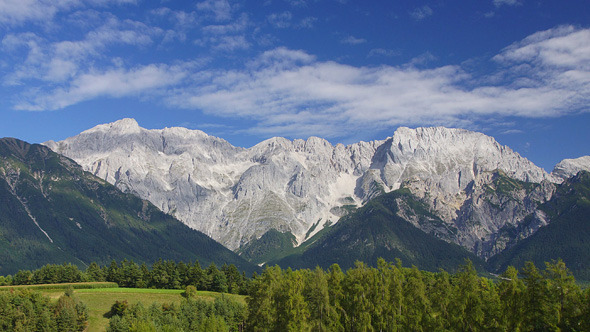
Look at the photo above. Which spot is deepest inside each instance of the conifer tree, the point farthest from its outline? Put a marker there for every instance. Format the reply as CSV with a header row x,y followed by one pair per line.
x,y
566,295
511,291
540,314
416,308
262,309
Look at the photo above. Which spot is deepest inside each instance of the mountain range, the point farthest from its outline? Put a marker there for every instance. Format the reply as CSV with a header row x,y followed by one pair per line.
x,y
236,195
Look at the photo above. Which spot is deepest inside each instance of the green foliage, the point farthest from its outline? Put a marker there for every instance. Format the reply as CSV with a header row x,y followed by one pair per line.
x,y
190,292
71,314
65,286
164,274
393,298
118,309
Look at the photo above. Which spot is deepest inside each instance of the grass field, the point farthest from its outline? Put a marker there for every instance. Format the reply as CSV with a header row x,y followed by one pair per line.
x,y
100,300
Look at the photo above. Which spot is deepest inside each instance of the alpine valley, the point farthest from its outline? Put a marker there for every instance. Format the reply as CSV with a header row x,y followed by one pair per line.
x,y
431,196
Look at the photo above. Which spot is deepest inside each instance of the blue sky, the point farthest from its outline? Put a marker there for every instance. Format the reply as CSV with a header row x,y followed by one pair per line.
x,y
345,70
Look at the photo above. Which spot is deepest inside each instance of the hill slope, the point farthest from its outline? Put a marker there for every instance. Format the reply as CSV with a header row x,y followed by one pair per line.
x,y
51,211
383,228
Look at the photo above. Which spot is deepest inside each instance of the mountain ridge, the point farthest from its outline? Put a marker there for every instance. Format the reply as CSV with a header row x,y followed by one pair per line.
x,y
236,195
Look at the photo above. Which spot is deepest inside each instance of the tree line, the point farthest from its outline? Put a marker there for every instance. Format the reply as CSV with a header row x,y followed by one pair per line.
x,y
392,298
163,274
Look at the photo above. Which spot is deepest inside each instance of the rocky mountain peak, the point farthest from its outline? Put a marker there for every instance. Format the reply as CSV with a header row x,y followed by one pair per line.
x,y
570,167
125,126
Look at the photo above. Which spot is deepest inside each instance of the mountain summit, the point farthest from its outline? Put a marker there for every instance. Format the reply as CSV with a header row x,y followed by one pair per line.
x,y
236,195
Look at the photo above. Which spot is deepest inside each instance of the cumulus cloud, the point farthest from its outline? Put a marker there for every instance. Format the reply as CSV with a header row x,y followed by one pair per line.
x,y
280,20
18,12
226,37
383,52
220,10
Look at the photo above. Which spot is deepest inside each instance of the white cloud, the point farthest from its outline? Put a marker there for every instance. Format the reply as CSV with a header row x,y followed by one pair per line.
x,y
17,12
280,20
351,40
307,22
421,13
285,20
383,52
111,83
38,59
422,59
20,11
182,20
290,97
226,37
562,47
230,43
292,93
297,3
220,10
237,26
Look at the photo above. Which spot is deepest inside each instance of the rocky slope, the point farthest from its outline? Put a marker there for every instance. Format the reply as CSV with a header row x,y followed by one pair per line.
x,y
566,237
236,195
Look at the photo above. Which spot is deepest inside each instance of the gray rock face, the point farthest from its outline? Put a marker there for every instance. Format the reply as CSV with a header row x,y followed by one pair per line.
x,y
235,195
570,167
